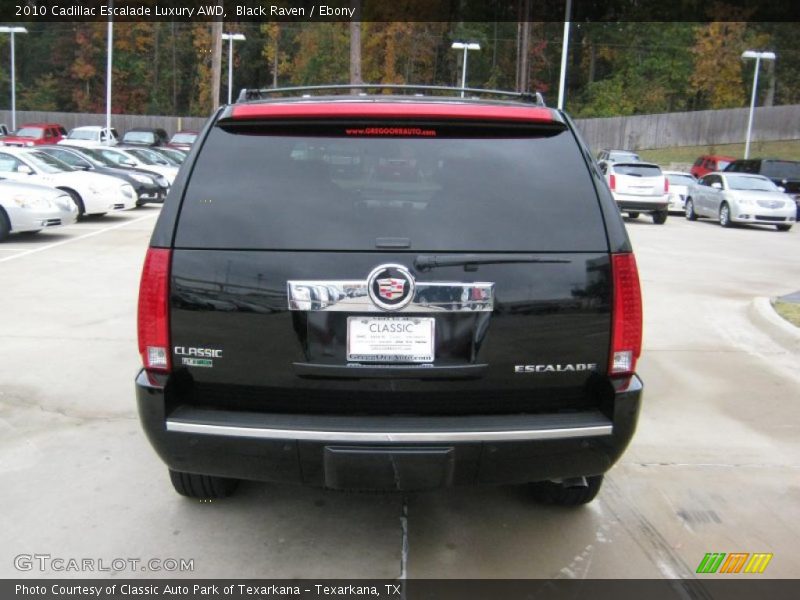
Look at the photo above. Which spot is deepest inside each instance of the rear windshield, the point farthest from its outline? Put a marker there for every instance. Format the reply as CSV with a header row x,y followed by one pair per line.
x,y
83,134
351,188
781,169
143,137
675,179
638,170
183,138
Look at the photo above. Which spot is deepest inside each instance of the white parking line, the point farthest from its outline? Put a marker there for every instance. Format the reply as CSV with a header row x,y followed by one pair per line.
x,y
80,237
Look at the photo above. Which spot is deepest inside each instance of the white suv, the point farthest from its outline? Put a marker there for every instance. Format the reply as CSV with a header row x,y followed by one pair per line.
x,y
638,187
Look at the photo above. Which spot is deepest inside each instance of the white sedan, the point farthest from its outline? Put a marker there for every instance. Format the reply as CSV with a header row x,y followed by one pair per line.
x,y
679,185
92,193
29,208
740,198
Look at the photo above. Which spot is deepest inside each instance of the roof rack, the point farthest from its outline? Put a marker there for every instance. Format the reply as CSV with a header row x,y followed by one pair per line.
x,y
306,91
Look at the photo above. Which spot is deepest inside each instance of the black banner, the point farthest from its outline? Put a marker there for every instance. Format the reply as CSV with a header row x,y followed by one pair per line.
x,y
28,11
705,588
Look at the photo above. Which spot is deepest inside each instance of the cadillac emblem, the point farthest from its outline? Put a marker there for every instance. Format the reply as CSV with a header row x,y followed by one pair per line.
x,y
390,287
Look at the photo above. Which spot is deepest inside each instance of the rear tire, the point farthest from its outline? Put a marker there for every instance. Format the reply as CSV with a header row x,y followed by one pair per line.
x,y
549,492
725,215
5,226
633,215
689,210
783,227
202,487
660,217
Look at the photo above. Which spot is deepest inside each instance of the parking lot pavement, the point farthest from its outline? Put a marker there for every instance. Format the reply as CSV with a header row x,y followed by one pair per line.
x,y
714,467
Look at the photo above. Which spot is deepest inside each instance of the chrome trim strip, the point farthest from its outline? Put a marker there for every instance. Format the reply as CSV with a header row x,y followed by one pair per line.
x,y
352,296
380,436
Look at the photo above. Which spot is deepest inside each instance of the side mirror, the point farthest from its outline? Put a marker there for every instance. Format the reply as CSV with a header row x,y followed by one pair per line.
x,y
128,163
25,170
781,188
716,185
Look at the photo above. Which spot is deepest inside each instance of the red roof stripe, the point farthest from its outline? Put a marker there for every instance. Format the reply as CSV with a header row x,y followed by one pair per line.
x,y
392,110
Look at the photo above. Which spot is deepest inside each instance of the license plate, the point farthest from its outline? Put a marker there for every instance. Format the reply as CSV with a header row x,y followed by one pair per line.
x,y
390,339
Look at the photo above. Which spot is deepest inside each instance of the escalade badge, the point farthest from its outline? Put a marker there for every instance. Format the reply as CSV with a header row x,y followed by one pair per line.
x,y
390,287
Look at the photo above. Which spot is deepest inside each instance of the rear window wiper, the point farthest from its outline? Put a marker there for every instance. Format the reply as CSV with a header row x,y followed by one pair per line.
x,y
425,262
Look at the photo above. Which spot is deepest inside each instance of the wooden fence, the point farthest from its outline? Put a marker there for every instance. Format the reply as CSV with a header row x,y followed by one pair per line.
x,y
701,128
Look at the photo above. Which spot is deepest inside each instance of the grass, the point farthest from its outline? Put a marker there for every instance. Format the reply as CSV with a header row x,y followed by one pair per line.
x,y
789,311
787,149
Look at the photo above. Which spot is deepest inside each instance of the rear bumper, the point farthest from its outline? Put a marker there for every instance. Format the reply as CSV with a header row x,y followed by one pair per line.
x,y
395,453
641,204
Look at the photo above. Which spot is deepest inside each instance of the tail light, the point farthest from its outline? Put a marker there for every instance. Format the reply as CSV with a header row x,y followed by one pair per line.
x,y
153,317
666,185
612,182
626,328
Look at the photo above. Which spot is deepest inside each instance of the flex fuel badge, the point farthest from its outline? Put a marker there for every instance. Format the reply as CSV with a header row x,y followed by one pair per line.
x,y
197,357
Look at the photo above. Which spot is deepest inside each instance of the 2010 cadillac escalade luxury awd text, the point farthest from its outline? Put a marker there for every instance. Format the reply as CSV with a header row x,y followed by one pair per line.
x,y
393,292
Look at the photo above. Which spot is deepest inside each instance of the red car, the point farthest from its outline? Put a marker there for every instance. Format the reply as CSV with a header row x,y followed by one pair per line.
x,y
35,134
708,163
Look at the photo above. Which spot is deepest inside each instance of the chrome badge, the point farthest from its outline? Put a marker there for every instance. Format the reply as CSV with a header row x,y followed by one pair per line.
x,y
390,287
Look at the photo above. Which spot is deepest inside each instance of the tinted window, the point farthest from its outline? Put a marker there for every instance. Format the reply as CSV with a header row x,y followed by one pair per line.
x,y
781,169
680,179
141,137
253,190
638,170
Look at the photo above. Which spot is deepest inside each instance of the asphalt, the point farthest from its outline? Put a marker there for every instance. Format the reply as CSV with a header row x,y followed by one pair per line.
x,y
714,466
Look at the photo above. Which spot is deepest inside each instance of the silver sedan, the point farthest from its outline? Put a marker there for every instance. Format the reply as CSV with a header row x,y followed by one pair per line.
x,y
734,198
29,208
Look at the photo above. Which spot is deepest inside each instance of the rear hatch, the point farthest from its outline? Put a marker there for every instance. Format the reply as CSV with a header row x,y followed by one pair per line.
x,y
295,244
639,179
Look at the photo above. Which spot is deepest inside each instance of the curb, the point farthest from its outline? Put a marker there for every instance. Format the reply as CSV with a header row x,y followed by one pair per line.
x,y
786,334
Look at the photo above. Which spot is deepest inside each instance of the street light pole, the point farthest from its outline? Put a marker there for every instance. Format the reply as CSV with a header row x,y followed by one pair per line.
x,y
562,80
758,56
12,31
465,46
231,37
109,61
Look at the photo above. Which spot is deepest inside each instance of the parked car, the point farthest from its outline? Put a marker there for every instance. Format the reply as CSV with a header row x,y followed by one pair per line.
x,y
93,194
91,136
173,155
145,136
149,187
29,208
611,156
277,347
35,134
125,157
740,198
709,163
783,173
679,185
638,187
154,154
183,140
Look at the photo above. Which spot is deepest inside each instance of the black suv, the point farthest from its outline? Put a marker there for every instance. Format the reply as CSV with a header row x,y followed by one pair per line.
x,y
785,173
145,136
395,292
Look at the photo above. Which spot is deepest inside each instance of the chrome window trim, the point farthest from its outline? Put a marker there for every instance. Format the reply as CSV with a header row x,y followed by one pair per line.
x,y
352,296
